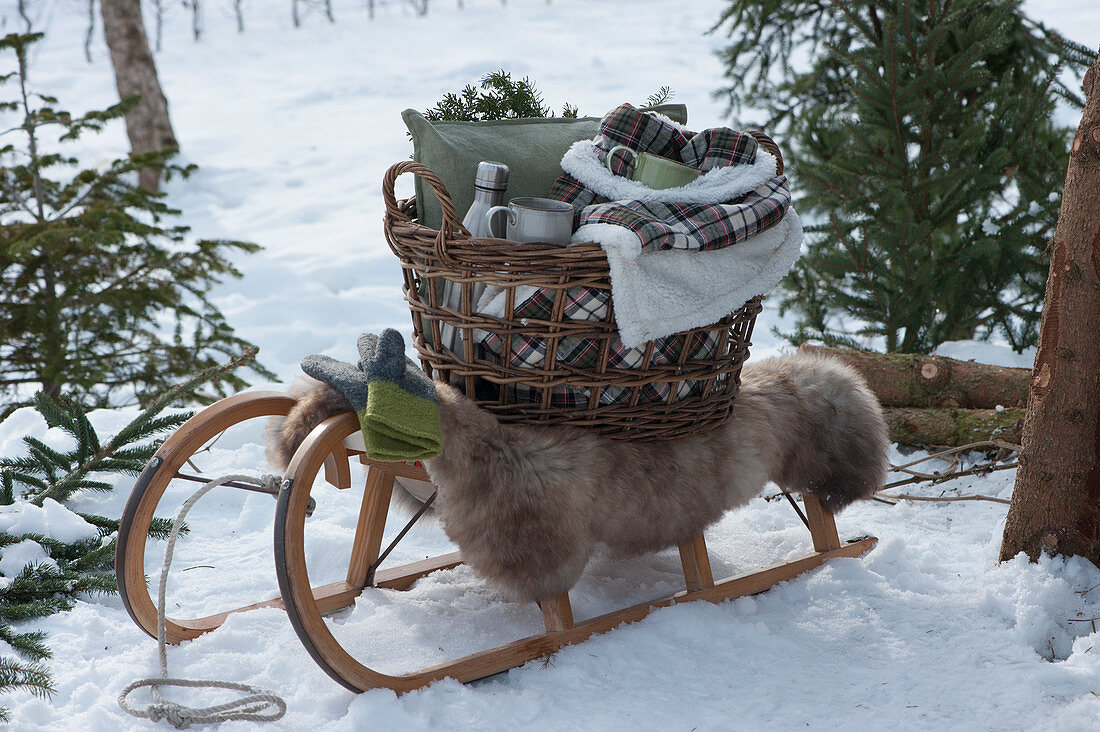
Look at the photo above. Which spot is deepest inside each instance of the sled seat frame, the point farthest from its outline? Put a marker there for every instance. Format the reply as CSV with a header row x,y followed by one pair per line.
x,y
330,447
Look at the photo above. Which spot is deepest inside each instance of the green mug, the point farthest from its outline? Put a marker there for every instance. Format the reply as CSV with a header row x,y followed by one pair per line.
x,y
654,171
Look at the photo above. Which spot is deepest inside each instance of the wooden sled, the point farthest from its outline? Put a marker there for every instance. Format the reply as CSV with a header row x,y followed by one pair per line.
x,y
329,448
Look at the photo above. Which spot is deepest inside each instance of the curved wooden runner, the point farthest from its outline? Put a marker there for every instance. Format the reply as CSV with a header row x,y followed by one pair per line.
x,y
164,466
306,613
329,447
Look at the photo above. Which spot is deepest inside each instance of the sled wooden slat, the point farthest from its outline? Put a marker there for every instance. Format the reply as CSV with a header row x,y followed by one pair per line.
x,y
696,563
372,524
822,524
330,597
337,471
557,612
403,577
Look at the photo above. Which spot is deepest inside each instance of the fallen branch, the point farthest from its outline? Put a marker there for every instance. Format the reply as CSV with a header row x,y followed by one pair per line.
x,y
908,497
1004,451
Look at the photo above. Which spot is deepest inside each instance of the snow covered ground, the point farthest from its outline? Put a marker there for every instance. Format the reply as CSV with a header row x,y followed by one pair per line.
x,y
293,130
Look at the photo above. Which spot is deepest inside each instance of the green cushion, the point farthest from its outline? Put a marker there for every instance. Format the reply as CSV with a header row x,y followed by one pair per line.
x,y
532,149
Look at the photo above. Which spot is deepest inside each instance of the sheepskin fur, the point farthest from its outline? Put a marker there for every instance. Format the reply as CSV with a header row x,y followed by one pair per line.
x,y
317,401
527,504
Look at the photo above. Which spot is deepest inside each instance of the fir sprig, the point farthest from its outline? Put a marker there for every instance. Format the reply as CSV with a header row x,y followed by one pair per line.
x,y
46,472
497,96
16,674
86,565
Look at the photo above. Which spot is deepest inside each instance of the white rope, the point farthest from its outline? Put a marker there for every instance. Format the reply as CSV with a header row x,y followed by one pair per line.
x,y
180,716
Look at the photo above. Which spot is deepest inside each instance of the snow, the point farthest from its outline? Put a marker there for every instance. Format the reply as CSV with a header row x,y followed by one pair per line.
x,y
293,130
50,519
19,555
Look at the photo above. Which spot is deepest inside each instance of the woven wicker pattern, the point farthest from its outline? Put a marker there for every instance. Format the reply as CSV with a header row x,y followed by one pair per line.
x,y
428,257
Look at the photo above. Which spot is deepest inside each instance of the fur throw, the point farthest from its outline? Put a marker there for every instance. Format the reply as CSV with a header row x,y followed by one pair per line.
x,y
527,504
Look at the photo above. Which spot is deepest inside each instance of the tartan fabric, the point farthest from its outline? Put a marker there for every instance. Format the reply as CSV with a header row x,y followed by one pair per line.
x,y
583,353
591,304
695,226
568,188
682,226
639,131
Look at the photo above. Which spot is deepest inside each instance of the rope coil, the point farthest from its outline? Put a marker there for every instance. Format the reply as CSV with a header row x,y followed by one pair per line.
x,y
251,707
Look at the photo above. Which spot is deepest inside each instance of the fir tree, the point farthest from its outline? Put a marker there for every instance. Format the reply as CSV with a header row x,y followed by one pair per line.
x,y
923,147
85,566
90,272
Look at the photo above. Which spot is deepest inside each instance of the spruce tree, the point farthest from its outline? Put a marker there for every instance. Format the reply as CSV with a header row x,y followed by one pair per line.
x,y
924,153
85,566
100,294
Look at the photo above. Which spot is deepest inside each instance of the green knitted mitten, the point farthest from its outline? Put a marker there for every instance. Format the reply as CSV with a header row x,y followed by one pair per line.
x,y
395,401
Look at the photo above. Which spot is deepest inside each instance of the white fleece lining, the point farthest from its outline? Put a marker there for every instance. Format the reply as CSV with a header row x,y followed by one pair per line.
x,y
661,293
716,185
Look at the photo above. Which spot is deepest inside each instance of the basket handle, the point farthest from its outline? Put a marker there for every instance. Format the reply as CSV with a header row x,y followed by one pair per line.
x,y
769,144
451,225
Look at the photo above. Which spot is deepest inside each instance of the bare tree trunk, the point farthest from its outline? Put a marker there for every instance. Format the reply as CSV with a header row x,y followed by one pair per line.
x,y
91,31
147,124
1056,503
240,15
22,5
158,9
196,18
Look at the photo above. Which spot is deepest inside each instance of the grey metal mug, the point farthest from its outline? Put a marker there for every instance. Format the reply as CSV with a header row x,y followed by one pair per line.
x,y
534,219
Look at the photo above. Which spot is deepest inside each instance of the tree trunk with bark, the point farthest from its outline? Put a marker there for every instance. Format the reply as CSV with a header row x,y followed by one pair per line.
x,y
1056,502
147,124
914,380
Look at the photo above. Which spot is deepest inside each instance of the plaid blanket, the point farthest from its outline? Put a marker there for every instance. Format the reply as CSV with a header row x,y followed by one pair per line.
x,y
719,209
738,198
587,303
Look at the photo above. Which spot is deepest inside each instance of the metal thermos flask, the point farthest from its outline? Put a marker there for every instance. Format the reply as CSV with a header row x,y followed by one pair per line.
x,y
490,183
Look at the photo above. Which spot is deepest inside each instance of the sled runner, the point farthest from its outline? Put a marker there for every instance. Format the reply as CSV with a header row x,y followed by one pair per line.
x,y
326,453
684,387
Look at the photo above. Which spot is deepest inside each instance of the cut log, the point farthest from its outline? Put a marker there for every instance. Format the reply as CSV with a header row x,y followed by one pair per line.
x,y
914,380
952,427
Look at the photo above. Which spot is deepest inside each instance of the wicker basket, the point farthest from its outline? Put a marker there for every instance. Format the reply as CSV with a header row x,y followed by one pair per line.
x,y
428,257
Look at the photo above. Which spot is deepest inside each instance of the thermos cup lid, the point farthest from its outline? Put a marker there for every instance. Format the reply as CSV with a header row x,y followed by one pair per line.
x,y
492,175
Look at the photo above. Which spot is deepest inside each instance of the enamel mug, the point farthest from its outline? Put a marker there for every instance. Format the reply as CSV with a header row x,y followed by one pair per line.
x,y
654,171
534,219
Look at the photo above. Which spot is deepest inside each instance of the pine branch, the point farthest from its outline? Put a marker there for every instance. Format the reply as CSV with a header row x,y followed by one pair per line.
x,y
29,676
